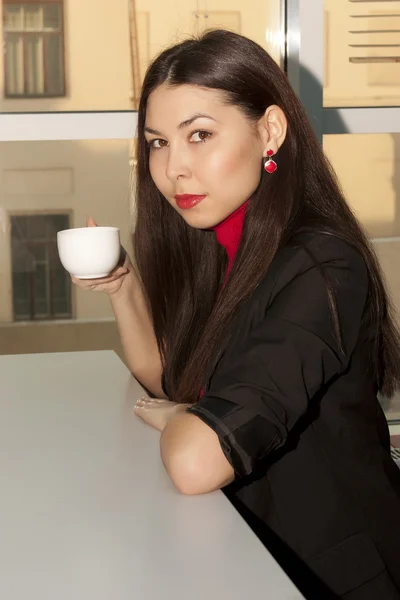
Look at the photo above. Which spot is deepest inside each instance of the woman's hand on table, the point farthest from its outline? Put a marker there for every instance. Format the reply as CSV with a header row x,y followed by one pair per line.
x,y
157,412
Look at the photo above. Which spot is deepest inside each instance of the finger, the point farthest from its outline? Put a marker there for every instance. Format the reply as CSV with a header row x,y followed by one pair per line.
x,y
138,411
120,270
156,402
99,280
147,404
142,401
90,222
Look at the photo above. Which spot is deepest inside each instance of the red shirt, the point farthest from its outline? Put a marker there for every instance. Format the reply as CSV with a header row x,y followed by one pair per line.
x,y
229,233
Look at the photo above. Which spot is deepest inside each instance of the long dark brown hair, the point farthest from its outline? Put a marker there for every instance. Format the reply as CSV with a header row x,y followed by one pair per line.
x,y
182,268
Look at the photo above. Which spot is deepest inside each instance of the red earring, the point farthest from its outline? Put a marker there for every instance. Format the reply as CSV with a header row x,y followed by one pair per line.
x,y
270,165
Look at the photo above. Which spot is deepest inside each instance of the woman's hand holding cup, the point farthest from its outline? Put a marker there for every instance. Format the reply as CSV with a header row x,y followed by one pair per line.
x,y
114,282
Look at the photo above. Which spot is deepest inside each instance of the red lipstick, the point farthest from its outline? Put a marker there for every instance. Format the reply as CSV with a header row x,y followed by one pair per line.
x,y
185,201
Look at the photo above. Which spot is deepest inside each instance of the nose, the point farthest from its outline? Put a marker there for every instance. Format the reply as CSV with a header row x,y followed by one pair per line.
x,y
178,164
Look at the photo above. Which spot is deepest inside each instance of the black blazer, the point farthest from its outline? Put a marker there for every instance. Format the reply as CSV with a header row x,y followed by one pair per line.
x,y
300,423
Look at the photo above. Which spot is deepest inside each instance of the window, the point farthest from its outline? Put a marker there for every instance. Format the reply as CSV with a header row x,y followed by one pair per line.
x,y
34,49
41,287
362,53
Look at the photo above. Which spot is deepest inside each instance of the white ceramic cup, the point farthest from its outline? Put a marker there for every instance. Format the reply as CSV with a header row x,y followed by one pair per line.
x,y
89,252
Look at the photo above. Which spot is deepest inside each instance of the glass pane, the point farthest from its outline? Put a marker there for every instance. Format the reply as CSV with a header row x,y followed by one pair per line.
x,y
368,167
13,17
61,308
14,65
34,65
104,76
33,17
19,228
54,65
41,285
22,295
52,17
47,187
60,287
39,252
362,54
56,223
41,310
37,228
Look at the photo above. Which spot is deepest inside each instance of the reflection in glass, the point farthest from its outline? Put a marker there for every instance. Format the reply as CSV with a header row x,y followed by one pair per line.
x,y
34,66
14,64
368,167
33,42
362,54
106,65
40,286
47,187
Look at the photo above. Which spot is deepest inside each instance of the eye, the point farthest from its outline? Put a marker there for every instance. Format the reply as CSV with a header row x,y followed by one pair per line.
x,y
200,136
157,144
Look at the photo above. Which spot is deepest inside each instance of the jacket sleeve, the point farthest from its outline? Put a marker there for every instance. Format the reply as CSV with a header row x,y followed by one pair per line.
x,y
268,379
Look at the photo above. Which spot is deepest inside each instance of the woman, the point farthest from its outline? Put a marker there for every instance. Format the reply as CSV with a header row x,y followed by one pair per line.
x,y
258,309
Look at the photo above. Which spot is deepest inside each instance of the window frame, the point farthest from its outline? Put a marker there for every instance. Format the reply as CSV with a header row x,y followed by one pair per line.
x,y
51,317
44,35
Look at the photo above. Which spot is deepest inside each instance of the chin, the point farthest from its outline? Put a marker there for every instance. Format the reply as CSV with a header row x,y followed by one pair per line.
x,y
199,221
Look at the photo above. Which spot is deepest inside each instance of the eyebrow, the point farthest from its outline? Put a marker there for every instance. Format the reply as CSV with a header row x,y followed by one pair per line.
x,y
183,124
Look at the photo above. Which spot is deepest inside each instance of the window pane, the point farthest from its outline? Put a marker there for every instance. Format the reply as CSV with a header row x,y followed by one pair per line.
x,y
54,224
52,17
41,287
22,296
37,228
47,187
33,14
106,64
14,65
39,252
19,228
34,65
13,17
54,65
362,54
368,167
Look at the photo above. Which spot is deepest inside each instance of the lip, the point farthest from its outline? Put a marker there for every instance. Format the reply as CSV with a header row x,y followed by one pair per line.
x,y
185,201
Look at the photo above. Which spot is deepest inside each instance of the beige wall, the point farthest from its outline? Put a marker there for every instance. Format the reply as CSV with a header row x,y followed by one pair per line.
x,y
367,83
80,177
171,20
97,44
368,167
97,60
35,338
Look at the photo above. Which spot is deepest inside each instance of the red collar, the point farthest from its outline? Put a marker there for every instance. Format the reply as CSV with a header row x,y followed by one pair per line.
x,y
229,232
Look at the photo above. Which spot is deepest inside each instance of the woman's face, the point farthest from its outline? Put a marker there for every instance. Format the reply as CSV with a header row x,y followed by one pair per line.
x,y
205,156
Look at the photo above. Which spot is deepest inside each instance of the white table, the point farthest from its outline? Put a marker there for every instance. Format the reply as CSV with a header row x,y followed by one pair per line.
x,y
87,511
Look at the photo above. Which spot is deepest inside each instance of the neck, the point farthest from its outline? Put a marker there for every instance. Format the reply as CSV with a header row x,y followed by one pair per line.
x,y
229,232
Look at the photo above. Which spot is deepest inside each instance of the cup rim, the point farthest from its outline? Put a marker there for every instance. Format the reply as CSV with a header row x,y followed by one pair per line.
x,y
63,232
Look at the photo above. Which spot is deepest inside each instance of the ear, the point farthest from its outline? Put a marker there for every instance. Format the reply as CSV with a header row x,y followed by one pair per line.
x,y
272,128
